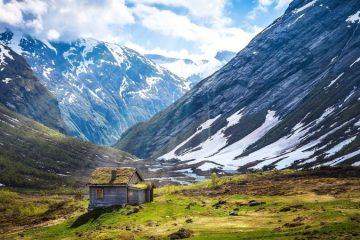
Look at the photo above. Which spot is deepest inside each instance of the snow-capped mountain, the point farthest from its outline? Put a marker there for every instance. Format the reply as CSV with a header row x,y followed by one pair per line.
x,y
290,98
22,92
102,88
193,70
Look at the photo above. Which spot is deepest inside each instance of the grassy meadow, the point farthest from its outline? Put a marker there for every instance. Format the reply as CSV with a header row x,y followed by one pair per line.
x,y
318,204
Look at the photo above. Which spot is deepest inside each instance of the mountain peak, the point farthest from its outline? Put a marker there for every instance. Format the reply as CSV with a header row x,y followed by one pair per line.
x,y
102,88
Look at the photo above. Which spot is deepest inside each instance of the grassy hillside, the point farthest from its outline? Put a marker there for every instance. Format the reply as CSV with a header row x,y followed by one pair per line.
x,y
32,155
315,204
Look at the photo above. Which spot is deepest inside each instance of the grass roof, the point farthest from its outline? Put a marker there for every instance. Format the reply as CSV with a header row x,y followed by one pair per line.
x,y
142,185
111,175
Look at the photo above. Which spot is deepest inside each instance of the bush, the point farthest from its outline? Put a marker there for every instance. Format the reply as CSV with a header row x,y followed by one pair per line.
x,y
214,180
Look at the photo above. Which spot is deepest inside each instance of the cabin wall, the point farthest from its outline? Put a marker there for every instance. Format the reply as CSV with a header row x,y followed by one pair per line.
x,y
136,196
116,195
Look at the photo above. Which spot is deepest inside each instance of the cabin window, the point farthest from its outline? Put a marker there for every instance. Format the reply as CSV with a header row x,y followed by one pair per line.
x,y
99,193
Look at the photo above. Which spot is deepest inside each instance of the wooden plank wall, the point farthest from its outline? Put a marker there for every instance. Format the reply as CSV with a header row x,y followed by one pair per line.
x,y
112,196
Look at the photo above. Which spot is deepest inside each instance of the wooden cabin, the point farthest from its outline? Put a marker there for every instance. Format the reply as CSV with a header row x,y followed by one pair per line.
x,y
114,186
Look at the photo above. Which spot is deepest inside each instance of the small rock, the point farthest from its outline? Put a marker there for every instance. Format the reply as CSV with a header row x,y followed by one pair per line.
x,y
293,224
181,234
219,203
233,213
253,203
226,190
285,209
298,219
189,220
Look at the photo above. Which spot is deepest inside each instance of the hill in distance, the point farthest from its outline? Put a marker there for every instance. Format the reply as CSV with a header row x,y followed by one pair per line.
x,y
35,156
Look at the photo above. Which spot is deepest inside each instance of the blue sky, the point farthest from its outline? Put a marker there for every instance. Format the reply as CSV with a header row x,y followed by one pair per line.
x,y
194,29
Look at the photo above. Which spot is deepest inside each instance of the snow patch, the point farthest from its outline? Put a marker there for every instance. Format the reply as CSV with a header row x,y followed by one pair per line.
x,y
6,80
48,44
350,95
203,126
72,98
354,18
333,81
207,166
356,61
89,45
47,71
151,81
339,146
213,149
310,4
123,87
117,52
357,124
4,53
343,158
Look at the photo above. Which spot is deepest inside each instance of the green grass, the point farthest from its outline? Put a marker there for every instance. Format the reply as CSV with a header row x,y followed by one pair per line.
x,y
312,215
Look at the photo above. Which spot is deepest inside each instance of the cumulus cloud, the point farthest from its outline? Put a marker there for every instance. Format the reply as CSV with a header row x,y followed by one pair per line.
x,y
13,13
209,39
67,19
212,11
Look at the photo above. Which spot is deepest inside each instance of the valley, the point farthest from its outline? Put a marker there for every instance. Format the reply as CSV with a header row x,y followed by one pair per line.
x,y
194,139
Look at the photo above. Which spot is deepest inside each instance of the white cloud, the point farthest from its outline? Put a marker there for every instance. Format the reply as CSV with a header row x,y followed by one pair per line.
x,y
204,9
52,34
95,19
209,39
68,19
12,13
181,53
281,4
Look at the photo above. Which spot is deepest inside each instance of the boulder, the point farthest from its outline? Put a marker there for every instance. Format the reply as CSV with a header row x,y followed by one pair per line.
x,y
181,234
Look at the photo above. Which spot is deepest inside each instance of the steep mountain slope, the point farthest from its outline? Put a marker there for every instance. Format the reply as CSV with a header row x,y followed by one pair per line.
x,y
102,88
289,99
22,92
32,155
192,70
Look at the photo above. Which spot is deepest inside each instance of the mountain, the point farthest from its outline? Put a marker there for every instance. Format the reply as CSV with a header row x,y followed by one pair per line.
x,y
290,99
193,70
32,155
102,88
22,92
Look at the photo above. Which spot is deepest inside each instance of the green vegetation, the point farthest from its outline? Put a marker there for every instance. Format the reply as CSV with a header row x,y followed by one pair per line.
x,y
34,156
264,205
104,175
